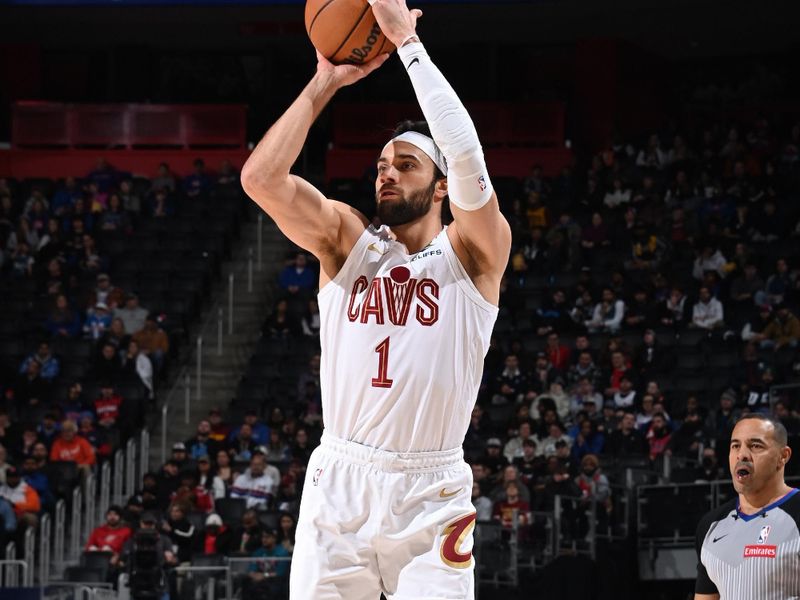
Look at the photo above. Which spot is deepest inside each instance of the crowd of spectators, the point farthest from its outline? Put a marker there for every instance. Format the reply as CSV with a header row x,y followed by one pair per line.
x,y
80,354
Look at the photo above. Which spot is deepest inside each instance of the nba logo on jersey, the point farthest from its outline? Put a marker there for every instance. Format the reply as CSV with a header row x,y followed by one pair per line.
x,y
318,474
762,537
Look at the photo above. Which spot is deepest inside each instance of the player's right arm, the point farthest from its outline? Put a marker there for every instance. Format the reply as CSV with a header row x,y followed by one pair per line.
x,y
326,228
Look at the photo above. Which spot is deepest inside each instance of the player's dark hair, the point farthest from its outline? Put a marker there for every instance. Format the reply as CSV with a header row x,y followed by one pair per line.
x,y
780,433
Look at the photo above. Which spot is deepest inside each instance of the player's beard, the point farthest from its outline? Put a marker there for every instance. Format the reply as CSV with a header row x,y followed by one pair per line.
x,y
406,208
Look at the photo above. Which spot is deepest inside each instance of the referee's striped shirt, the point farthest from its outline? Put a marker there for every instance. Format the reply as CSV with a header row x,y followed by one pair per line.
x,y
744,557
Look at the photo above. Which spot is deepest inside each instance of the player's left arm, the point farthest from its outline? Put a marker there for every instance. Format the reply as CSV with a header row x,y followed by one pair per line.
x,y
482,234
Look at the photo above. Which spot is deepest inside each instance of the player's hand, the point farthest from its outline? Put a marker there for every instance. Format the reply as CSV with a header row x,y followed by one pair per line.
x,y
343,75
395,20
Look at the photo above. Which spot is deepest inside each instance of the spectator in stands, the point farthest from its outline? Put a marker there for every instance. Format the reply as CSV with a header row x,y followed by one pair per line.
x,y
164,179
106,293
648,250
557,353
208,478
547,446
148,524
779,284
640,312
102,440
287,529
311,320
247,536
301,447
219,429
298,279
98,321
201,445
707,313
511,507
608,313
49,364
31,392
22,261
131,202
198,183
618,195
255,486
593,484
108,406
259,431
673,310
225,470
709,258
281,324
626,440
111,536
277,451
191,496
268,578
161,205
651,358
513,448
782,332
71,447
132,314
625,396
583,368
153,341
8,520
26,443
588,441
136,364
107,365
241,447
49,429
215,537
646,412
41,454
104,176
493,460
554,315
22,497
65,197
658,436
688,438
594,238
745,288
63,321
483,505
511,384
115,218
180,531
227,175
116,335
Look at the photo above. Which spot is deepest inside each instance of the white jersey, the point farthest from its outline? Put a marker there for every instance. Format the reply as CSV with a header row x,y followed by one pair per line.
x,y
403,341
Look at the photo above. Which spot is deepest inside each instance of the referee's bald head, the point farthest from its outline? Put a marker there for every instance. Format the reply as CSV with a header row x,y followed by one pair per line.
x,y
779,432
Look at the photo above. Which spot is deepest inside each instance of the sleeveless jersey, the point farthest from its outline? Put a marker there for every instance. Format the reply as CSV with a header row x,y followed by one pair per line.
x,y
403,340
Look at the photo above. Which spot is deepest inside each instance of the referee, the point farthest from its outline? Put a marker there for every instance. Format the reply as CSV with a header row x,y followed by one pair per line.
x,y
749,548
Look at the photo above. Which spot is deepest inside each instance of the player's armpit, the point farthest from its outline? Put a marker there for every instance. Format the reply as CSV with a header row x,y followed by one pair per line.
x,y
706,597
486,237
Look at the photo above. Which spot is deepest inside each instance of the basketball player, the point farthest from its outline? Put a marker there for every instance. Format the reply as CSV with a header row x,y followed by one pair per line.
x,y
750,546
406,315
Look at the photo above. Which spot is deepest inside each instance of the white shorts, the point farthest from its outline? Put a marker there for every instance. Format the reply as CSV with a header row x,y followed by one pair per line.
x,y
375,522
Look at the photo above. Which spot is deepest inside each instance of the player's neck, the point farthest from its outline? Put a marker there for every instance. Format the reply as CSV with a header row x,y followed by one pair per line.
x,y
417,234
754,502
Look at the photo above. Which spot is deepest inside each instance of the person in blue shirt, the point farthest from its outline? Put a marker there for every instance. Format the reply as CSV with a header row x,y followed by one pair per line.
x,y
298,278
198,183
268,578
50,365
260,431
35,478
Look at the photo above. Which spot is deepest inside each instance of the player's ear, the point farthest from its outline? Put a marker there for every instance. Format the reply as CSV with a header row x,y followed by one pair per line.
x,y
440,189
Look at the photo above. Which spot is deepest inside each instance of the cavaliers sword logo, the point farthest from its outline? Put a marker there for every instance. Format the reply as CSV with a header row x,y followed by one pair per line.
x,y
454,535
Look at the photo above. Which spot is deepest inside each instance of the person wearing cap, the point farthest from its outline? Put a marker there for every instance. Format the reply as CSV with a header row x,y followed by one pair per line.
x,y
98,321
179,454
23,497
133,510
216,538
110,536
625,396
219,428
148,528
493,458
106,293
132,314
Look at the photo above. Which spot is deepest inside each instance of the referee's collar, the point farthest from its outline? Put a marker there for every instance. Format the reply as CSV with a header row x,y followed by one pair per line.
x,y
745,517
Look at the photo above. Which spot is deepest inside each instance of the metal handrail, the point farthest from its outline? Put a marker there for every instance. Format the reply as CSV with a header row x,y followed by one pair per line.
x,y
144,453
89,494
75,529
11,575
59,550
105,489
119,468
45,549
29,554
130,468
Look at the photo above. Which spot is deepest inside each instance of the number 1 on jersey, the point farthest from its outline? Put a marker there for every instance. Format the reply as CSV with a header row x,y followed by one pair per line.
x,y
382,380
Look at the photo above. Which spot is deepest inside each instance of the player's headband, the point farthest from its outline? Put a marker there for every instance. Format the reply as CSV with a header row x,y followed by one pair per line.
x,y
424,143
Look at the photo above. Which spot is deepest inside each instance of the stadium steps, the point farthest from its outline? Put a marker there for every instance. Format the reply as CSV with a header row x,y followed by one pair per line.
x,y
221,373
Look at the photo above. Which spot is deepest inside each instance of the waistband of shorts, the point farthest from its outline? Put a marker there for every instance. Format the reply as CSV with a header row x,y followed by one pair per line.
x,y
391,461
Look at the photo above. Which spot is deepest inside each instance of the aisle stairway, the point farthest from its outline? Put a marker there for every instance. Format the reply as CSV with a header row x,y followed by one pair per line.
x,y
220,373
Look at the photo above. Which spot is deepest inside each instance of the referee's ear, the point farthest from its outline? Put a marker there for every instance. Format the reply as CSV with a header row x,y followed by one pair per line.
x,y
786,454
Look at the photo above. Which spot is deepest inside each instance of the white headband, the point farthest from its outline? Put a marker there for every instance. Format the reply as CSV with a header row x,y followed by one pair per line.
x,y
424,143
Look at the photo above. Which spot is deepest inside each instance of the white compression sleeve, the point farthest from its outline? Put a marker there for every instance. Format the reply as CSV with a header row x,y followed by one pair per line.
x,y
452,129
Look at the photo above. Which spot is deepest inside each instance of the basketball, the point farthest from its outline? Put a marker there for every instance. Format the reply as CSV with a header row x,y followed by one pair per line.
x,y
345,31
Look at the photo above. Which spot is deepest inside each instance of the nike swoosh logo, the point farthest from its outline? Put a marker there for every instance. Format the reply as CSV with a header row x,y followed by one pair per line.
x,y
445,494
415,60
374,248
715,540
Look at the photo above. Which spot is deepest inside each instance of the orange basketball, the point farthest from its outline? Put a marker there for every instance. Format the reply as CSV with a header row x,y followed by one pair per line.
x,y
345,31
